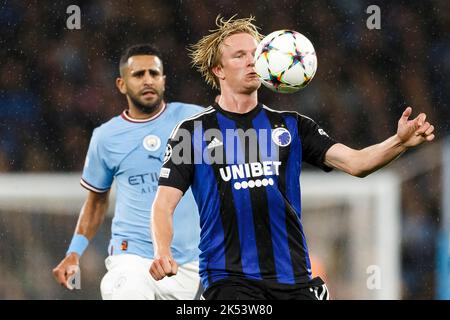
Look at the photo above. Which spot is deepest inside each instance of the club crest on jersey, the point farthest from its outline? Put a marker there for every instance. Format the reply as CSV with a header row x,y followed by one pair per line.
x,y
151,142
281,137
167,153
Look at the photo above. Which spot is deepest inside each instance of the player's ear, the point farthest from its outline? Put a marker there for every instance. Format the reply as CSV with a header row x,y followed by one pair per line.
x,y
120,84
218,72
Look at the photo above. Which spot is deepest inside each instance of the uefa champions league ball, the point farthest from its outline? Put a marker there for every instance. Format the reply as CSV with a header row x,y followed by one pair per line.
x,y
285,61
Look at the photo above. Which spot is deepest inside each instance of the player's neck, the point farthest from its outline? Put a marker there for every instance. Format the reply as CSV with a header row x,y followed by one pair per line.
x,y
238,103
135,113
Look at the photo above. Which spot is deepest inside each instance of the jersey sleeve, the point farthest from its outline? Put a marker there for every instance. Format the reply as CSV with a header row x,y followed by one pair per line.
x,y
178,165
315,142
97,176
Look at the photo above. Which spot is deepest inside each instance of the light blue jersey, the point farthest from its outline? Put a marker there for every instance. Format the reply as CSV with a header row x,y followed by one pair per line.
x,y
131,152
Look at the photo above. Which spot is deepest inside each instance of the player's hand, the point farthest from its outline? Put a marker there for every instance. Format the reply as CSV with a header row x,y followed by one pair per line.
x,y
163,266
416,131
65,269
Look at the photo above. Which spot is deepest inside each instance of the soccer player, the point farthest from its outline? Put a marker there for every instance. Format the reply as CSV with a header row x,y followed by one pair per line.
x,y
252,241
130,149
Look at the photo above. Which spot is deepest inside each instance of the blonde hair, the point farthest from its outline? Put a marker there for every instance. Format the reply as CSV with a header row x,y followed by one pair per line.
x,y
206,53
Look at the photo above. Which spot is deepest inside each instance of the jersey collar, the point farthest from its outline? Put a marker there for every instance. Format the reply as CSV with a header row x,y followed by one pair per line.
x,y
128,118
233,115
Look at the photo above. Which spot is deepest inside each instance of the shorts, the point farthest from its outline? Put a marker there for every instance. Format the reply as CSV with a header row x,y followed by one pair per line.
x,y
128,278
246,289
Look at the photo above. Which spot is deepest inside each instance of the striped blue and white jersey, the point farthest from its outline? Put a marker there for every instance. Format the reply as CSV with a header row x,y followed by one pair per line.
x,y
244,172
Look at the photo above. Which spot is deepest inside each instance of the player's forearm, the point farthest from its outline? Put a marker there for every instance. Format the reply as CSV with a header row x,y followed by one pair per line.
x,y
162,229
92,215
372,158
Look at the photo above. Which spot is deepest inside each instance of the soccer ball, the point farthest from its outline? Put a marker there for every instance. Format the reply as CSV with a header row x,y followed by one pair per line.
x,y
285,61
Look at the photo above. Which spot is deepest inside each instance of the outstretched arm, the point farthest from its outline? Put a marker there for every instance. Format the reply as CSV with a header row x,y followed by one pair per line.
x,y
91,217
163,208
360,163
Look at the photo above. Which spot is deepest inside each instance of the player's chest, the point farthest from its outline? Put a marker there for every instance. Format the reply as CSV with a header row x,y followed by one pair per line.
x,y
233,146
143,151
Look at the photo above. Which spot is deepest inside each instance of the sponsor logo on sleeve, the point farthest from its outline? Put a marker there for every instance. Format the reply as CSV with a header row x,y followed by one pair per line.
x,y
165,172
322,132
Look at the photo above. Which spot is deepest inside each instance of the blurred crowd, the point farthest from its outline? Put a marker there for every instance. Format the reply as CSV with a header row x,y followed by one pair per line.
x,y
57,85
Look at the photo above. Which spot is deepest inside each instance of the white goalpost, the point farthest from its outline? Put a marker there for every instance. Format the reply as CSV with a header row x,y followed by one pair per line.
x,y
353,226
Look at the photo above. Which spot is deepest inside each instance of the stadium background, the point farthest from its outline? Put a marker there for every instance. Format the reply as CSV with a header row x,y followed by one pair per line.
x,y
56,85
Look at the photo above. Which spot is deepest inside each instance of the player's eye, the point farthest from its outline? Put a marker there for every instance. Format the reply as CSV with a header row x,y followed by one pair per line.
x,y
154,73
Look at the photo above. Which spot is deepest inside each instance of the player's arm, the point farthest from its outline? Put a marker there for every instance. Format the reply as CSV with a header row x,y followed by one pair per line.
x,y
174,180
91,217
163,207
361,163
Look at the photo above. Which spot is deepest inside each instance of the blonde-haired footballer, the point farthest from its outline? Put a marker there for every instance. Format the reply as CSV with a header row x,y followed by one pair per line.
x,y
252,241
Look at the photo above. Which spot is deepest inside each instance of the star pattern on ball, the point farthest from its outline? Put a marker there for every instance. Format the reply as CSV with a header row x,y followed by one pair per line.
x,y
275,79
299,57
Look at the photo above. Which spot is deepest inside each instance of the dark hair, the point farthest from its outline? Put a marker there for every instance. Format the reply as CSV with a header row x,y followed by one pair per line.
x,y
137,50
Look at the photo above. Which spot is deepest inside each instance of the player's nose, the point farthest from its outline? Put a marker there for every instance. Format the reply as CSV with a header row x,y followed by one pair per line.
x,y
250,60
148,79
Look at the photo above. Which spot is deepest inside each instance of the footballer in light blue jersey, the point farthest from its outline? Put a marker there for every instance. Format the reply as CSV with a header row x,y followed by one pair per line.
x,y
129,149
131,152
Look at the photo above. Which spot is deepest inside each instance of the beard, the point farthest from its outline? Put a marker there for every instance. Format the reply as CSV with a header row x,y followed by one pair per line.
x,y
149,107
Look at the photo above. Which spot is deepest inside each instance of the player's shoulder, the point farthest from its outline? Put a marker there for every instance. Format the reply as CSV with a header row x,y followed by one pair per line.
x,y
285,113
184,109
292,113
188,122
303,121
108,128
199,116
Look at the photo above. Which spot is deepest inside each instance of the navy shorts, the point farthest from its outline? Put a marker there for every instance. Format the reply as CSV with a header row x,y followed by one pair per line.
x,y
246,289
